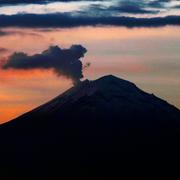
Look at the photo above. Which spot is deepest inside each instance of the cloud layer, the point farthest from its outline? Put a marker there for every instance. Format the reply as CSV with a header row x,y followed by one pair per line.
x,y
65,20
66,13
64,62
15,2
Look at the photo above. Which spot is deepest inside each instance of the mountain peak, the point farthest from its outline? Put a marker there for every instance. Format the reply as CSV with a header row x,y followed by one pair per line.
x,y
105,82
109,77
111,81
101,121
108,93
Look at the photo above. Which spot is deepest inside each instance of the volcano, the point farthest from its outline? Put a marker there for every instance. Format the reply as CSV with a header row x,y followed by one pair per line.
x,y
102,128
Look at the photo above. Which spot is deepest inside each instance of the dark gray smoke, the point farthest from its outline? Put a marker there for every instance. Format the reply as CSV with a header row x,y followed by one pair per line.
x,y
64,62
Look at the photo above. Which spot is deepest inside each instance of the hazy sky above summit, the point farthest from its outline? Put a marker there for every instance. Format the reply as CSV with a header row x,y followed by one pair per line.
x,y
132,39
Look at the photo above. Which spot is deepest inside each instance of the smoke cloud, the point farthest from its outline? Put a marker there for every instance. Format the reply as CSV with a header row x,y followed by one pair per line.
x,y
64,62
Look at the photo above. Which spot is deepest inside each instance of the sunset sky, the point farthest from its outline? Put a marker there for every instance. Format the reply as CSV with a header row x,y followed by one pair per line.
x,y
138,40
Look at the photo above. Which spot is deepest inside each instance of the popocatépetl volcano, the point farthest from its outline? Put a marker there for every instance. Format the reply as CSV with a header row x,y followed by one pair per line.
x,y
100,128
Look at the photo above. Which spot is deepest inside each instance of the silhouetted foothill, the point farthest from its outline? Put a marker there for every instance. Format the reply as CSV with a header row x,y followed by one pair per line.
x,y
103,128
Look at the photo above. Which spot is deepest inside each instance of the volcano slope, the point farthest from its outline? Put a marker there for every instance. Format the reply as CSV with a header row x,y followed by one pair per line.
x,y
102,128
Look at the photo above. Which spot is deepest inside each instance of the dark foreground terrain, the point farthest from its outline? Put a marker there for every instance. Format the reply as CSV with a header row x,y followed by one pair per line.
x,y
107,128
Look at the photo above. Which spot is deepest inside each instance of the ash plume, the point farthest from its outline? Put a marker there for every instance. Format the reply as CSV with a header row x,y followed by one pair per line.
x,y
64,62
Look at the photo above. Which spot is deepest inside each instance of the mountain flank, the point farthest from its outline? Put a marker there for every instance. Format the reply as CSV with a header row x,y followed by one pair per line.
x,y
102,128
